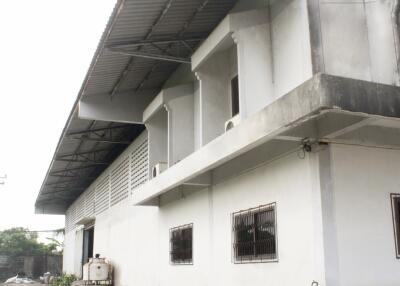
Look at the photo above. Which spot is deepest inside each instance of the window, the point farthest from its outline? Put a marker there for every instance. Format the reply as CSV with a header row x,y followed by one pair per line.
x,y
88,242
254,235
396,221
181,242
235,95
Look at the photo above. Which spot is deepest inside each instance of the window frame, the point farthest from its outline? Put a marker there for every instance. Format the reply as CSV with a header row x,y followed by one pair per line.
x,y
180,228
254,258
396,222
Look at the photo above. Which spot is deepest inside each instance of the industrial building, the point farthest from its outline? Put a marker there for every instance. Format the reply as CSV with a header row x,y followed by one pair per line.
x,y
225,142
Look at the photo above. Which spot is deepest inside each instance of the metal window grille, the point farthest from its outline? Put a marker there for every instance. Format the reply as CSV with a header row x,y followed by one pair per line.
x,y
181,244
395,198
254,234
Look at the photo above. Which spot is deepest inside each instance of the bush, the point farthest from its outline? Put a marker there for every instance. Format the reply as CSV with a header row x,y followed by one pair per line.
x,y
64,280
20,241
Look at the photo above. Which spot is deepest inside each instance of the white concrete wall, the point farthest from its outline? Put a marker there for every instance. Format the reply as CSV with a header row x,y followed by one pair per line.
x,y
210,212
363,179
157,128
69,255
358,249
128,237
215,97
358,40
291,45
255,68
197,115
180,124
136,239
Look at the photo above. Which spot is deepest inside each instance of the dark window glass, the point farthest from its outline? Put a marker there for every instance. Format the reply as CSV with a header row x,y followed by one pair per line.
x,y
181,240
235,95
254,234
88,242
396,221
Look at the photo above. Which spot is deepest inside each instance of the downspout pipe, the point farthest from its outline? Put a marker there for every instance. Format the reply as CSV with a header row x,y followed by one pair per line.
x,y
396,34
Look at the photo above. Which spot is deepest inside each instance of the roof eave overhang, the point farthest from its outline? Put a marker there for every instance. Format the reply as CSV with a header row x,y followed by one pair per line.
x,y
131,62
59,209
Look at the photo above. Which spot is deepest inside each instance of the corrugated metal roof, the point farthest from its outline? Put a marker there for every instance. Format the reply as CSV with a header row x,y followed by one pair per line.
x,y
132,21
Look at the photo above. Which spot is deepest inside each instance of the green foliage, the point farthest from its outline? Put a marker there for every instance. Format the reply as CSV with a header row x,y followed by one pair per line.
x,y
20,241
54,245
64,280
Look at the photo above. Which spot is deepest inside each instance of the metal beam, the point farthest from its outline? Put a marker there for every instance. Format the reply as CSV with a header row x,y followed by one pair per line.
x,y
180,34
96,130
187,46
82,161
85,153
61,182
64,202
154,42
61,195
56,188
72,176
151,56
72,169
187,24
99,140
74,190
125,72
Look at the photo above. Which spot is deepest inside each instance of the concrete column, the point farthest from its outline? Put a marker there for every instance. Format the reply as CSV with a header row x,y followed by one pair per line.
x,y
330,245
314,19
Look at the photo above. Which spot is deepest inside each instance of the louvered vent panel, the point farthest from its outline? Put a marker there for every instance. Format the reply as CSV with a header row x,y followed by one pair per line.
x,y
103,195
66,223
120,182
139,165
70,218
80,208
90,205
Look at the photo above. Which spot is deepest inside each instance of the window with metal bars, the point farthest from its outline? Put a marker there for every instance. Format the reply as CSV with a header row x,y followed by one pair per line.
x,y
254,234
181,244
395,198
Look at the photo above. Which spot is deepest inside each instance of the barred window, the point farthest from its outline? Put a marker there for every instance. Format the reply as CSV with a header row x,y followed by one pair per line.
x,y
254,234
181,243
396,221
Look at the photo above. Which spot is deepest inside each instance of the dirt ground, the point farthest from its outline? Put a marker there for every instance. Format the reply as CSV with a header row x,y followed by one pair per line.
x,y
38,284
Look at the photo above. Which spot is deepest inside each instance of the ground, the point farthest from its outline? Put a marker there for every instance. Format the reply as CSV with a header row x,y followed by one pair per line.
x,y
38,284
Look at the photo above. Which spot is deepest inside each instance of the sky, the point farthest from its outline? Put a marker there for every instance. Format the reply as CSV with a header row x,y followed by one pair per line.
x,y
46,47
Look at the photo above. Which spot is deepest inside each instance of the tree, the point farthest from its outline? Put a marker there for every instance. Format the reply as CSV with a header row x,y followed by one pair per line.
x,y
20,241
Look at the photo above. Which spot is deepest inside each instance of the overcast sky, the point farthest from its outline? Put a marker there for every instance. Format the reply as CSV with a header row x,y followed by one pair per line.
x,y
46,47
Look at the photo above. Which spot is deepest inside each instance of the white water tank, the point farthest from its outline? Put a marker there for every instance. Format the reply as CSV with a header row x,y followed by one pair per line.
x,y
97,269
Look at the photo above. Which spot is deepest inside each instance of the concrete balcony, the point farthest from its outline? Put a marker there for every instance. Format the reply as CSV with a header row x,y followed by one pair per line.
x,y
325,109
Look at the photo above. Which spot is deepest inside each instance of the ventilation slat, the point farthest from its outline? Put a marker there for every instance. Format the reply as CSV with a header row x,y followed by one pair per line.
x,y
139,165
103,195
113,186
90,203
